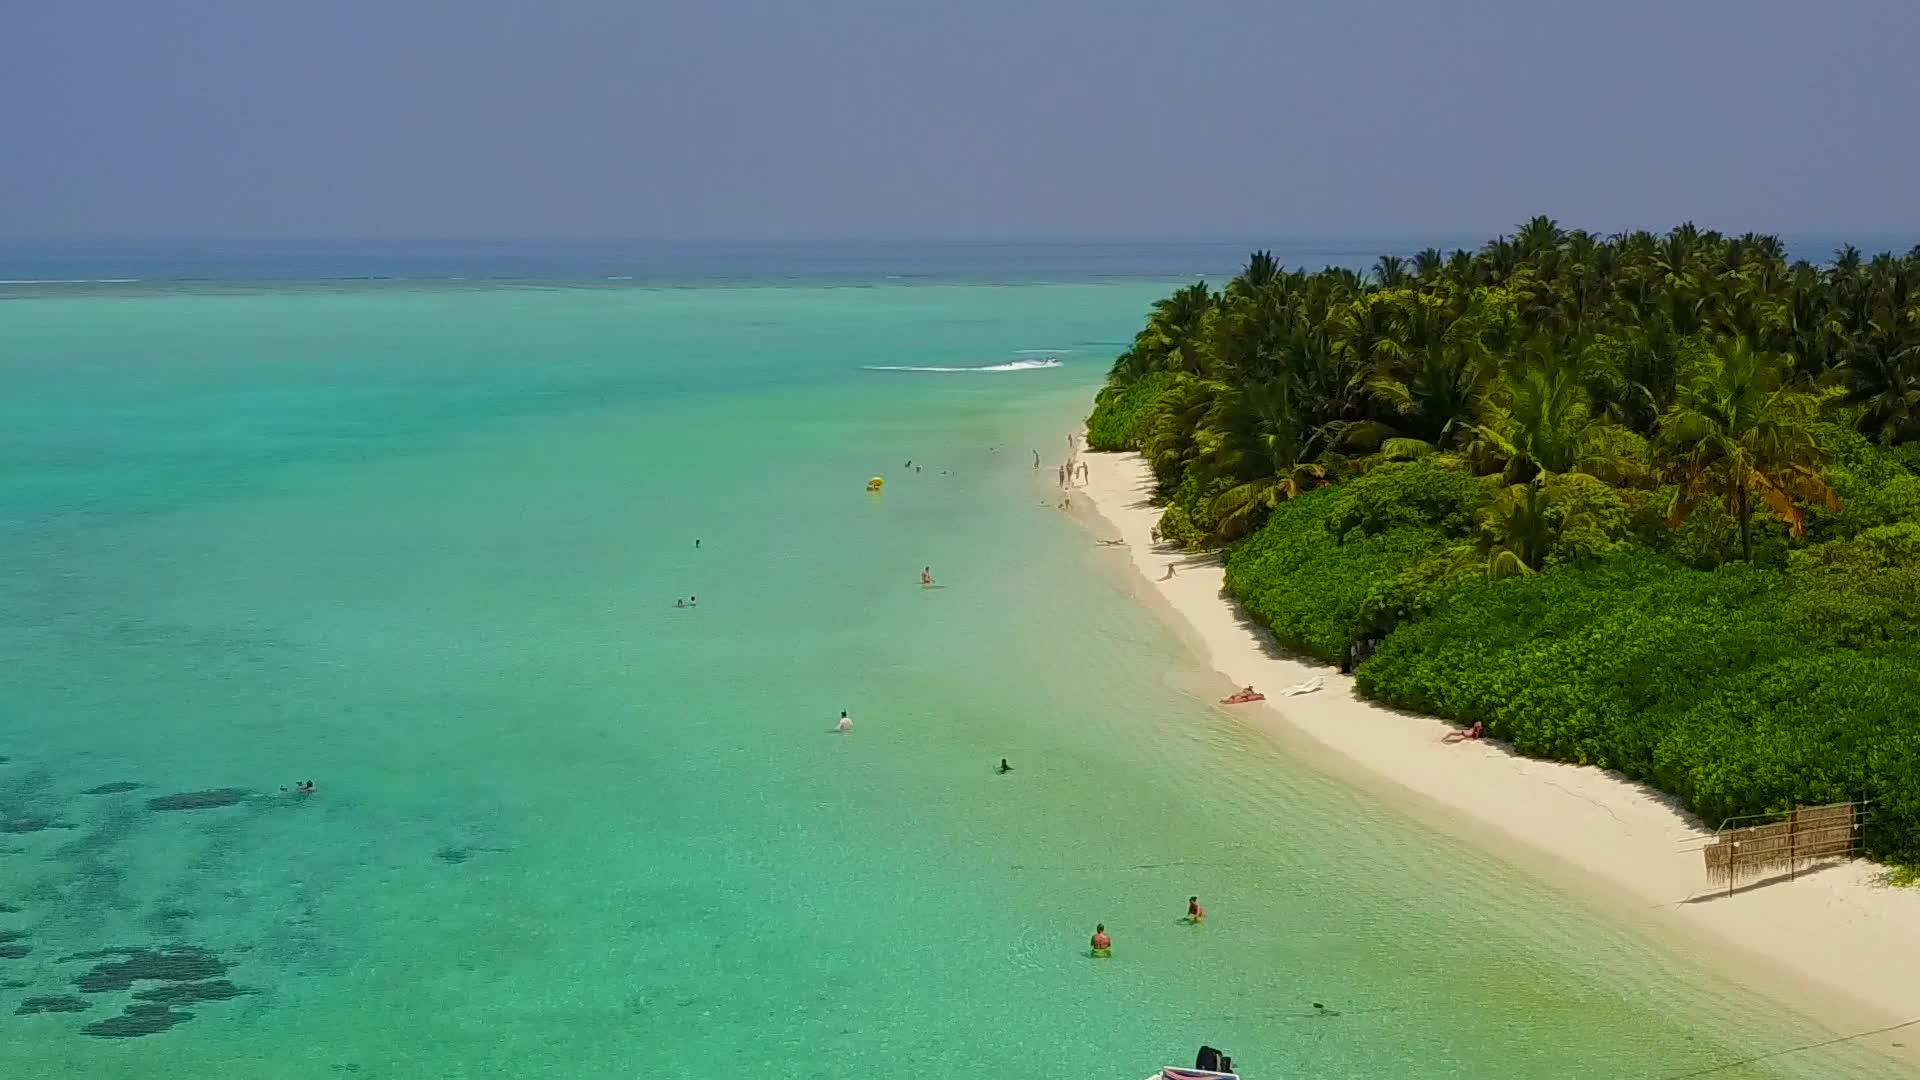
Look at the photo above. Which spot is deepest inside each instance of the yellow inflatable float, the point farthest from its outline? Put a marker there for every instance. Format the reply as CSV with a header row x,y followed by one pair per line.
x,y
875,484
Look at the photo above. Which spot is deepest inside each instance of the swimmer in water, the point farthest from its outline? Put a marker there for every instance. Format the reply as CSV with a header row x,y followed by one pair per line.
x,y
926,575
846,722
1195,913
1101,942
305,787
1004,767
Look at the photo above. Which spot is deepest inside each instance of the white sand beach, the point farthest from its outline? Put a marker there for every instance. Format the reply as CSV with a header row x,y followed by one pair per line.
x,y
1836,942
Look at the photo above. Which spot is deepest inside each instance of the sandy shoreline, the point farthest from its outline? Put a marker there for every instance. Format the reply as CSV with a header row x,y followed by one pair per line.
x,y
1834,943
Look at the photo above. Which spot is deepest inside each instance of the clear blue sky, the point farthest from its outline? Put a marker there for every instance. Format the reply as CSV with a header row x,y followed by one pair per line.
x,y
809,119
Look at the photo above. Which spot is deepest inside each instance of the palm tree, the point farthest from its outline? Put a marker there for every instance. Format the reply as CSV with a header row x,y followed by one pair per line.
x,y
1261,271
1390,271
1255,439
1176,328
1541,421
1737,434
1887,388
1429,364
1516,531
1539,235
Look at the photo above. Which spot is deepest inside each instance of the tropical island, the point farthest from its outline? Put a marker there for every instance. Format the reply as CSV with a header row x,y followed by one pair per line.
x,y
1642,502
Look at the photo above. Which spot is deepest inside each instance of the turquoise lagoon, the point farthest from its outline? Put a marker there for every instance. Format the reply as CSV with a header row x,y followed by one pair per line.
x,y
422,544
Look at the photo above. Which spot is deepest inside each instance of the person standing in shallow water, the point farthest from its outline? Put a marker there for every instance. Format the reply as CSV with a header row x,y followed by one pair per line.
x,y
1101,942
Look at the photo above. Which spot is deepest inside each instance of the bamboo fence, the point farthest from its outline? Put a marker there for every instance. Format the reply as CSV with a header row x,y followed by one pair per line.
x,y
1808,833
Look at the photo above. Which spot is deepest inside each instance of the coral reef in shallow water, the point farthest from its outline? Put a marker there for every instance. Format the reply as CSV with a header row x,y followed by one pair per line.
x,y
188,993
180,963
199,800
136,1021
53,1003
115,788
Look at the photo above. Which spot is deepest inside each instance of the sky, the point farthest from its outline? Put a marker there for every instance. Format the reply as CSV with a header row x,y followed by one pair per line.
x,y
875,119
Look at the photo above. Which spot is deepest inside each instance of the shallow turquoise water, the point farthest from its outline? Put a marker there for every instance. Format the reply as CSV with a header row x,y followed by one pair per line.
x,y
423,547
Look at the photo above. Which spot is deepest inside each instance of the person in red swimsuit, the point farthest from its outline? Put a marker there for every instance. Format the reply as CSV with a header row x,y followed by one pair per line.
x,y
1195,913
1100,938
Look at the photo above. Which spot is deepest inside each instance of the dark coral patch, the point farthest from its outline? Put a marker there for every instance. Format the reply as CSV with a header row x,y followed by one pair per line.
x,y
187,993
183,963
198,800
9,909
53,1003
27,824
13,950
138,1020
115,788
453,856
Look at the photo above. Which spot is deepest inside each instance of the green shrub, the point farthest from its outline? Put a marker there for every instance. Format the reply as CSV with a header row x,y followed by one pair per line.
x,y
1189,519
1583,664
1906,455
1864,591
1414,591
1706,539
1432,491
1811,728
1590,519
1117,412
1312,590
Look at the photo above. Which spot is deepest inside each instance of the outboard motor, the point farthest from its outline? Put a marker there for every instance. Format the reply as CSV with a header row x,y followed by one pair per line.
x,y
1209,1059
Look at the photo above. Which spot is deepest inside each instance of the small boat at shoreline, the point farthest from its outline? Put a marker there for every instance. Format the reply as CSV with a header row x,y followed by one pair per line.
x,y
1208,1064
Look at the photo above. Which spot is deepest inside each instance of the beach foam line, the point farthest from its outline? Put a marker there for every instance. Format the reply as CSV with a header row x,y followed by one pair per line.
x,y
1014,365
1836,943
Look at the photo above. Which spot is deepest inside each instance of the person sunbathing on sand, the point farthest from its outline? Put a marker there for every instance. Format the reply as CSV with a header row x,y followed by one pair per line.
x,y
1245,695
1469,735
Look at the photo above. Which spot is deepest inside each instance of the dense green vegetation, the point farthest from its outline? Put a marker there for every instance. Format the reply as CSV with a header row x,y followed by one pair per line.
x,y
1645,502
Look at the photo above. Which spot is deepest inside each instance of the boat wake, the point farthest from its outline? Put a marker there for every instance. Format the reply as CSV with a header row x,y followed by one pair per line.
x,y
1012,365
